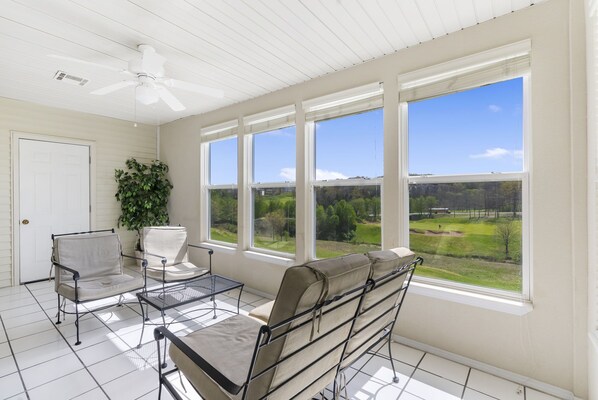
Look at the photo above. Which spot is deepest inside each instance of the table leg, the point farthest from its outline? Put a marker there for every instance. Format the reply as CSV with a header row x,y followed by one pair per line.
x,y
143,318
213,289
239,299
164,364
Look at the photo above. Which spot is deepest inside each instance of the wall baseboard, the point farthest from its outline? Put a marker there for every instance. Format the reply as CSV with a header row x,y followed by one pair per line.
x,y
258,292
502,373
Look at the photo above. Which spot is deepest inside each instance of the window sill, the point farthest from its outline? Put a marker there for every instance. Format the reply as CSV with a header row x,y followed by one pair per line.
x,y
269,258
508,306
221,246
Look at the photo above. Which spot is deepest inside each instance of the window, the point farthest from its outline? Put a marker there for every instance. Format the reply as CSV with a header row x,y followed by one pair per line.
x,y
221,188
467,178
273,180
347,172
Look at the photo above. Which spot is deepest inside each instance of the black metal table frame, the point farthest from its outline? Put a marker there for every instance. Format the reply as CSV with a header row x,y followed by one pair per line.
x,y
143,297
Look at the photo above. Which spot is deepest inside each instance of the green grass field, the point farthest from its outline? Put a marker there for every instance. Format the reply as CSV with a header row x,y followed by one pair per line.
x,y
473,255
223,235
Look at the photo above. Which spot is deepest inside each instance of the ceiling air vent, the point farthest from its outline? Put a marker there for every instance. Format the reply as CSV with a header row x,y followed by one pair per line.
x,y
73,80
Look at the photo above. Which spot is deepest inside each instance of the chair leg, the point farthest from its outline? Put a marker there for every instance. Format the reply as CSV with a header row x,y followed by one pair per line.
x,y
58,313
78,342
160,377
395,379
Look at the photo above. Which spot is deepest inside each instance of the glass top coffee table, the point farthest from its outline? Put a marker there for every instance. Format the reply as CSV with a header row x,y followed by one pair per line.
x,y
198,289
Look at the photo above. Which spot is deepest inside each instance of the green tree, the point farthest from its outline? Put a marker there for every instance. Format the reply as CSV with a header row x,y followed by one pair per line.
x,y
261,207
345,230
507,232
277,221
511,192
360,208
332,222
429,202
320,221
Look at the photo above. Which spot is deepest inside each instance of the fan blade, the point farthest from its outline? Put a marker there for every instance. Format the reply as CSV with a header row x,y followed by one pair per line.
x,y
192,87
169,99
114,87
77,60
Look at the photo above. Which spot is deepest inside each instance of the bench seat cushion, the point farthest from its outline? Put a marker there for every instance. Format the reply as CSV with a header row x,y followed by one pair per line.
x,y
262,313
178,272
228,346
101,287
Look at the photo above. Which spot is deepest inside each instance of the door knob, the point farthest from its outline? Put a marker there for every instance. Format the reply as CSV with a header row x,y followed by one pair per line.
x,y
25,221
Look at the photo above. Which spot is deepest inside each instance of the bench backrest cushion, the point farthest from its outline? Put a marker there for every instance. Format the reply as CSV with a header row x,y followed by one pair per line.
x,y
378,306
165,241
92,255
302,288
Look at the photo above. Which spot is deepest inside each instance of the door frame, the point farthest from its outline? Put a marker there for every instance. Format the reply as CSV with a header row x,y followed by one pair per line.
x,y
16,136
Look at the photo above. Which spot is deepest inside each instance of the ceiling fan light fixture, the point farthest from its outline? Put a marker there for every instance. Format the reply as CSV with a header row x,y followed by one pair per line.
x,y
147,94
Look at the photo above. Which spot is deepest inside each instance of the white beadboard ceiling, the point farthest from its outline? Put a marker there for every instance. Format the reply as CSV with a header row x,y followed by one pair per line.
x,y
246,48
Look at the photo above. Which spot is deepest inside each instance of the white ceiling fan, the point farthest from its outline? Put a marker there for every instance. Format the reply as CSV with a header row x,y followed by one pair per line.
x,y
147,73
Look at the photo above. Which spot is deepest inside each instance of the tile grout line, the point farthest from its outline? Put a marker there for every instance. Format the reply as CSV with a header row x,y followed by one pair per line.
x,y
69,345
465,384
404,389
14,358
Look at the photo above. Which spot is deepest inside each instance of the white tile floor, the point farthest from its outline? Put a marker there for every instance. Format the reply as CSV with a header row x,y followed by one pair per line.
x,y
38,359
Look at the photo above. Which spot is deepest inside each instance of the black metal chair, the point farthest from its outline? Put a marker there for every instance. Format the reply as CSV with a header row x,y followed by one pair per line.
x,y
89,266
295,356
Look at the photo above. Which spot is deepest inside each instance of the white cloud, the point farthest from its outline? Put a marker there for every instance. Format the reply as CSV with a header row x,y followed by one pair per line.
x,y
288,174
323,175
494,108
496,152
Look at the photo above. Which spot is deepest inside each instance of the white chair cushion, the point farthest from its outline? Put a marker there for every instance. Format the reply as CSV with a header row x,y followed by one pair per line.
x,y
167,241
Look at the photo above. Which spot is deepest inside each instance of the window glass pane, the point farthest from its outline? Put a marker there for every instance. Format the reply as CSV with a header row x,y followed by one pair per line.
x,y
223,162
474,131
468,232
274,156
348,220
350,146
274,219
223,215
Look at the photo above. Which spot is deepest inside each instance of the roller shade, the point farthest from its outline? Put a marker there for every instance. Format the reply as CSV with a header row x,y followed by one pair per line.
x,y
270,120
219,131
491,72
363,98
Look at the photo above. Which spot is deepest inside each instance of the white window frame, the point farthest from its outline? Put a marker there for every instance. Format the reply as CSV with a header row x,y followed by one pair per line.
x,y
337,105
215,133
256,124
485,69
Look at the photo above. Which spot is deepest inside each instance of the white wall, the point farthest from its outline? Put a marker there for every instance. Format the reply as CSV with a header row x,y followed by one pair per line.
x,y
115,141
591,15
544,344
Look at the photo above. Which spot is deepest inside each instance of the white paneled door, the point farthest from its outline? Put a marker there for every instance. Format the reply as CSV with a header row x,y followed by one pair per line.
x,y
53,198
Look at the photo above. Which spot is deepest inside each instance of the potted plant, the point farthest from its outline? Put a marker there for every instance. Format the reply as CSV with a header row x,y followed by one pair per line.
x,y
143,192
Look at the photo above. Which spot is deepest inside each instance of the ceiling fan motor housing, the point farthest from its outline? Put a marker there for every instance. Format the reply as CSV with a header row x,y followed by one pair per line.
x,y
150,63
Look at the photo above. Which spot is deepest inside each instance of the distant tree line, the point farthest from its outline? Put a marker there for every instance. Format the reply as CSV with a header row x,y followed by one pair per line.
x,y
486,199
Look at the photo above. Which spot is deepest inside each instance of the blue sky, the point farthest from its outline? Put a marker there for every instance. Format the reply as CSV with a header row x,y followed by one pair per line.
x,y
223,162
475,131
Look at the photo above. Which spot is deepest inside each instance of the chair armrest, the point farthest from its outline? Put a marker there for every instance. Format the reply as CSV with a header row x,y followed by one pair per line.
x,y
210,251
231,387
163,259
143,260
75,273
